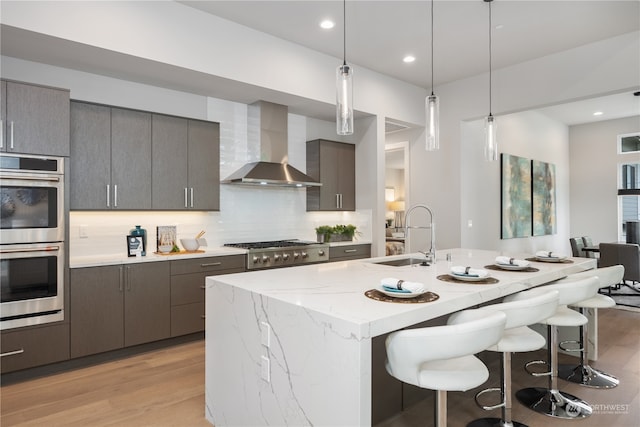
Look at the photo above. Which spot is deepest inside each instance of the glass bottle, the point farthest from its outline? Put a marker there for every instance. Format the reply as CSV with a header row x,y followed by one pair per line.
x,y
143,233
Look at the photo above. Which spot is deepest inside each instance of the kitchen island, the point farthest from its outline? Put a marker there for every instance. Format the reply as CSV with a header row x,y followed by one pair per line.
x,y
293,346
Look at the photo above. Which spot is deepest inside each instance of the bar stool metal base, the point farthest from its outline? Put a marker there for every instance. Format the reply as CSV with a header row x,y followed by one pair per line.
x,y
554,403
587,376
494,422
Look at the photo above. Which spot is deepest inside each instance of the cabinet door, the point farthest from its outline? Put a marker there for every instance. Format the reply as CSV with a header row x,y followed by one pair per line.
x,y
147,304
96,310
169,165
3,115
90,169
204,165
37,119
329,161
29,347
346,176
130,159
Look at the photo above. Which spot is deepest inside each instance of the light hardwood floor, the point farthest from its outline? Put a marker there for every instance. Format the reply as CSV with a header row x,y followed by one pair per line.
x,y
166,388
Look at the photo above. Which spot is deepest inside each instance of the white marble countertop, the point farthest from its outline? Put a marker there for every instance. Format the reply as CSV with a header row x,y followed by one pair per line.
x,y
337,289
115,259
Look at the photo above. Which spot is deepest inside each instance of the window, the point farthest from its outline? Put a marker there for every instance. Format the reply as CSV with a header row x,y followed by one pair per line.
x,y
628,197
629,143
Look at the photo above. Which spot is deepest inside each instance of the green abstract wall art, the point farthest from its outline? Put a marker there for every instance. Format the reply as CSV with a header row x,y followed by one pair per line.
x,y
544,198
515,195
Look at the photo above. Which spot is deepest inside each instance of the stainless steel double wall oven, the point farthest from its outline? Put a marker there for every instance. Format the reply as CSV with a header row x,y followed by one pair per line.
x,y
32,240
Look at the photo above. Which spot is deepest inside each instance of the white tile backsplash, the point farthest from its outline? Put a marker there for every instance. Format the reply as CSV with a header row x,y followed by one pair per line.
x,y
246,213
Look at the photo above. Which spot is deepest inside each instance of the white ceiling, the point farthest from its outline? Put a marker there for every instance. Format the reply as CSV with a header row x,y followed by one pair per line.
x,y
379,33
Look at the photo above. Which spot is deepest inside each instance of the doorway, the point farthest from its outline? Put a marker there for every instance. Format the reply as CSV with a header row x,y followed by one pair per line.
x,y
396,195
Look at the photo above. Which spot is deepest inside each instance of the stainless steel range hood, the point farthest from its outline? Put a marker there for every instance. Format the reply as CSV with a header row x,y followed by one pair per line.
x,y
267,126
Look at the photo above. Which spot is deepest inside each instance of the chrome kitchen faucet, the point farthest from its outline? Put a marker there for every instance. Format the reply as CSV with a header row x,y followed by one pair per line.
x,y
431,254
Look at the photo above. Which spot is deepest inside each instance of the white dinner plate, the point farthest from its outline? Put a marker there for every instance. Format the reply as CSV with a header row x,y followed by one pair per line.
x,y
399,294
552,259
468,278
511,266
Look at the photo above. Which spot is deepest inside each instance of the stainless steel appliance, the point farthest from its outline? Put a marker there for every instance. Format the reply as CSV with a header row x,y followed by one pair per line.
x,y
32,233
282,253
31,283
31,199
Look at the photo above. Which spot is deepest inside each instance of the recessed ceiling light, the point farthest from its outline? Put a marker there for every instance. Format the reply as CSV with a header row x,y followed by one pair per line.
x,y
327,24
409,59
598,113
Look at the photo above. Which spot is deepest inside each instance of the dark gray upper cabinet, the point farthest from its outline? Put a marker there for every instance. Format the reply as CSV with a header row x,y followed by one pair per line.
x,y
130,159
110,158
186,164
35,119
90,170
333,164
204,165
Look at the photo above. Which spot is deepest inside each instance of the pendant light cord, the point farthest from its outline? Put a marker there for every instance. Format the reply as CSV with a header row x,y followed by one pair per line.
x,y
344,31
489,1
432,48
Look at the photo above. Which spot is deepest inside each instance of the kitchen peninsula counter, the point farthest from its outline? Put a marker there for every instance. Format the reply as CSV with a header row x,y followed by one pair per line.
x,y
293,346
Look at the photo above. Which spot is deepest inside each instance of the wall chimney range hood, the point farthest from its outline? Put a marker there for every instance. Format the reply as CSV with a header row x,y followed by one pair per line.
x,y
267,123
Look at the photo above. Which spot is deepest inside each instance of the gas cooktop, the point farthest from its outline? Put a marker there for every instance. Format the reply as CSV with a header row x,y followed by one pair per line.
x,y
282,253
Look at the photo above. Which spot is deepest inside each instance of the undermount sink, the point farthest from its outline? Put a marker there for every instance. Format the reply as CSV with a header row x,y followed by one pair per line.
x,y
404,261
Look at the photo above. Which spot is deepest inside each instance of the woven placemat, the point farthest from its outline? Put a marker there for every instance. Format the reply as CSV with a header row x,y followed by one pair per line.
x,y
449,278
564,261
379,296
524,270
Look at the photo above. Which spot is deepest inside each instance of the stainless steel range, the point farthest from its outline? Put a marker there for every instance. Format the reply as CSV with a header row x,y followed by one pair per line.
x,y
282,253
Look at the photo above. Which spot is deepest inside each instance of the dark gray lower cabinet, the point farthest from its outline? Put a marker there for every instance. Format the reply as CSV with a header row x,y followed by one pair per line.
x,y
117,306
349,252
28,347
188,289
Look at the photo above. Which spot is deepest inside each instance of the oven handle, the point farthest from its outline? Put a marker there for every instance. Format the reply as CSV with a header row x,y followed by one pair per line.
x,y
46,249
12,353
32,178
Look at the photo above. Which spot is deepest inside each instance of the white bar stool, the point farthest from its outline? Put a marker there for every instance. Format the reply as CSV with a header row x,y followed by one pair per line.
x,y
441,358
551,401
583,373
535,305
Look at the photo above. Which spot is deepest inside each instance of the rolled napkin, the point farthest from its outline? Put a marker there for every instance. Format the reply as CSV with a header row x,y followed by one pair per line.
x,y
391,284
505,260
549,254
459,270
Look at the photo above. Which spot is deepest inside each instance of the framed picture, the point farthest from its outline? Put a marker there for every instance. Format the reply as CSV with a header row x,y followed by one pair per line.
x,y
135,245
515,196
544,198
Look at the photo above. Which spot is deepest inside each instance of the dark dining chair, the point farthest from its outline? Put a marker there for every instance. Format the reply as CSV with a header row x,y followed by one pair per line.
x,y
576,246
627,255
586,241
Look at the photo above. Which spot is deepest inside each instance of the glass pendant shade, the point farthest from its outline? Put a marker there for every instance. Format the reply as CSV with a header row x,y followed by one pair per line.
x,y
344,100
432,108
491,140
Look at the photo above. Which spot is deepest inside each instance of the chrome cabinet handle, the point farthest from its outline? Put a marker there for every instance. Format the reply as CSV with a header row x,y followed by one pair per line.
x,y
115,195
121,278
12,353
203,287
203,317
11,140
211,264
350,251
128,270
337,201
108,196
191,197
185,197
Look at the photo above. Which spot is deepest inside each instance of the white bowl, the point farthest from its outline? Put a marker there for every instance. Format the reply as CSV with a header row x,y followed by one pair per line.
x,y
165,248
190,244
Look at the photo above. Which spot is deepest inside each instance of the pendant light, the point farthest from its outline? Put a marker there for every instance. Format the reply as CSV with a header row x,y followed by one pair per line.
x,y
344,87
490,125
432,107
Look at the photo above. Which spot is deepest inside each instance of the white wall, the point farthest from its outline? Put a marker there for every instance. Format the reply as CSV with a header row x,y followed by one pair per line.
x,y
594,177
530,135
